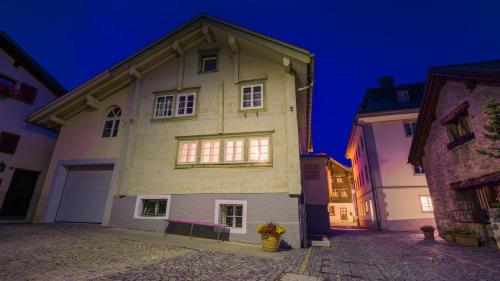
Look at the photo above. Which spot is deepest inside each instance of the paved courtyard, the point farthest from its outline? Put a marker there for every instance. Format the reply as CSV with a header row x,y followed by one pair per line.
x,y
92,252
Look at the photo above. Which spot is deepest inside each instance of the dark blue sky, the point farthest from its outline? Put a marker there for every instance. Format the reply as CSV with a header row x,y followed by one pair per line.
x,y
355,42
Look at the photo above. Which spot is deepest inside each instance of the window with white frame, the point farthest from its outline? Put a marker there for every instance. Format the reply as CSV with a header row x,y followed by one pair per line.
x,y
410,128
252,96
186,104
111,123
335,193
426,203
208,63
339,179
210,151
258,149
164,106
403,96
232,214
187,152
344,193
152,206
233,150
418,170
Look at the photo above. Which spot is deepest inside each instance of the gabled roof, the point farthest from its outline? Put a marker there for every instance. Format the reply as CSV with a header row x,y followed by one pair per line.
x,y
188,36
23,59
485,72
385,99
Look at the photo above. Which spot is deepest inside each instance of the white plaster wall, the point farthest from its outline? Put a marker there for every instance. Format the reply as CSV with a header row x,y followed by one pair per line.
x,y
36,144
335,218
404,203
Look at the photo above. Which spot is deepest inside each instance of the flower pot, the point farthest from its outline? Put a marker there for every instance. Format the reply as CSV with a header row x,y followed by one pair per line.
x,y
270,242
428,234
466,240
449,237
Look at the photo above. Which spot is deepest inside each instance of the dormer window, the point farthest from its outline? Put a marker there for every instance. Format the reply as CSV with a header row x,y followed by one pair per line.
x,y
208,63
403,96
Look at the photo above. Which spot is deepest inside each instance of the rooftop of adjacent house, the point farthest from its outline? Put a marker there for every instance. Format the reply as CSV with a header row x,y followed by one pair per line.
x,y
22,58
388,96
486,69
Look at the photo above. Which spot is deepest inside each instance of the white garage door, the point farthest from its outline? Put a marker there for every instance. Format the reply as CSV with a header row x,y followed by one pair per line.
x,y
85,194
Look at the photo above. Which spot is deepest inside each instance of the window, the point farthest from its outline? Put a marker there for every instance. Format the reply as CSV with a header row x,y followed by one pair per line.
x,y
208,63
7,86
426,203
8,142
164,106
366,207
457,126
311,172
339,179
210,151
111,123
187,152
335,193
403,96
185,104
152,207
344,193
252,96
233,150
258,149
332,210
410,128
417,169
231,213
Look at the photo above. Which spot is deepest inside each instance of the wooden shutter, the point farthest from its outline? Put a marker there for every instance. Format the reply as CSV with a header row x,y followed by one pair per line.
x,y
26,93
8,142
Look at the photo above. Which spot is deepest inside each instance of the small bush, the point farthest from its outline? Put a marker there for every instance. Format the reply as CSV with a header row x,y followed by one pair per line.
x,y
427,228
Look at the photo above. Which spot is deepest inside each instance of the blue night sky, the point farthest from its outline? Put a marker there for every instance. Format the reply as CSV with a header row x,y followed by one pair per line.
x,y
355,42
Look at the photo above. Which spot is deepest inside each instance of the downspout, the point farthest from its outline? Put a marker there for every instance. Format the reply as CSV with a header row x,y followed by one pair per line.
x,y
374,194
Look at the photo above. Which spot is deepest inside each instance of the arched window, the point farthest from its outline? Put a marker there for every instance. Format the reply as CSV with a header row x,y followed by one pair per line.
x,y
111,123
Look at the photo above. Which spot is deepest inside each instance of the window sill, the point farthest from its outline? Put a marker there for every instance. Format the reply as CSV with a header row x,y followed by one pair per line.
x,y
206,72
173,119
461,141
223,165
150,218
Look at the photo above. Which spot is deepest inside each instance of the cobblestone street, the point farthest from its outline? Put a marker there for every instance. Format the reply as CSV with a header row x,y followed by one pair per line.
x,y
91,252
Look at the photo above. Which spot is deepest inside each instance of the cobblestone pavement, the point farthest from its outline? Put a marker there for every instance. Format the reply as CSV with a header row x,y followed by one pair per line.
x,y
89,252
371,255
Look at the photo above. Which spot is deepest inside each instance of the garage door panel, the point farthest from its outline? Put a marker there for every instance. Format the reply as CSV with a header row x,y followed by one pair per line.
x,y
85,194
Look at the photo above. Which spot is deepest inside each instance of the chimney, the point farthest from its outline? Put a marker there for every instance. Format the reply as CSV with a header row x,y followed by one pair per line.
x,y
386,82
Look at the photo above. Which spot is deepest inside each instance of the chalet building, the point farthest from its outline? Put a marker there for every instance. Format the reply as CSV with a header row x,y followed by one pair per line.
x,y
390,193
25,149
205,125
463,183
340,195
315,182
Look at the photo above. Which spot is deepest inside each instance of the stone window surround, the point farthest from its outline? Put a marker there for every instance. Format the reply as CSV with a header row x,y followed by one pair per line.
x,y
234,230
139,199
175,93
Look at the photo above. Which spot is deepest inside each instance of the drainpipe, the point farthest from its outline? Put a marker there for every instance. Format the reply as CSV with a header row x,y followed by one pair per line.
x,y
374,194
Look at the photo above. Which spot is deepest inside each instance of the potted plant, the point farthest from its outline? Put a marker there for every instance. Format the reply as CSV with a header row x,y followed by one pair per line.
x,y
466,237
428,231
447,235
271,236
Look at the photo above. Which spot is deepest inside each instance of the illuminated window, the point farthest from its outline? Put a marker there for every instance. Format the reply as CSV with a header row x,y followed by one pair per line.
x,y
187,152
339,179
252,96
111,123
426,203
233,150
258,149
210,151
164,106
335,193
344,193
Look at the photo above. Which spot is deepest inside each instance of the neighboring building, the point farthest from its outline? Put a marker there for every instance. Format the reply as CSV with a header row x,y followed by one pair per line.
x,y
315,182
206,124
340,192
463,183
390,193
25,149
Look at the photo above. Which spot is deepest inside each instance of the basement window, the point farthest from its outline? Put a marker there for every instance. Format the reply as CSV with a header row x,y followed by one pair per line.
x,y
152,206
231,213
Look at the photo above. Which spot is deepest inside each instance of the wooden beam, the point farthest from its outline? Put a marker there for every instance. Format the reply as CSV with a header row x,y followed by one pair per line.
x,y
57,120
134,72
287,64
208,35
178,48
92,102
233,43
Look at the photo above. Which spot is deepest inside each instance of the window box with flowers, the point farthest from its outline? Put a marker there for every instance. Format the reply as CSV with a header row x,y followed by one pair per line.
x,y
271,236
